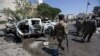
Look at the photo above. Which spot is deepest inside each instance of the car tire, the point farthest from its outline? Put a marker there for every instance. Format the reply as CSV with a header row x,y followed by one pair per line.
x,y
47,32
10,38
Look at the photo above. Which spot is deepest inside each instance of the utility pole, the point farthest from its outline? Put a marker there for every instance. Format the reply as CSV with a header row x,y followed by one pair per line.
x,y
87,6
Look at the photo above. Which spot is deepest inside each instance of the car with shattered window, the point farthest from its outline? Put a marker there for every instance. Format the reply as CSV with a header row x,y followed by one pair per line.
x,y
28,28
23,28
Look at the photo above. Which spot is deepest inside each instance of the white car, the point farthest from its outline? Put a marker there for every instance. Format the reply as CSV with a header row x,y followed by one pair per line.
x,y
48,27
29,27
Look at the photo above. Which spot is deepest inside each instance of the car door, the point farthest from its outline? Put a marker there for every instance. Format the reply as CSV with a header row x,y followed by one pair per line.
x,y
23,27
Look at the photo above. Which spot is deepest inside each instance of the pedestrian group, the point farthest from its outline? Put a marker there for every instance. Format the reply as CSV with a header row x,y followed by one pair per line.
x,y
85,28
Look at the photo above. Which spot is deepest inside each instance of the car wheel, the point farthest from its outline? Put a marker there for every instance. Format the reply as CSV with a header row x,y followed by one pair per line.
x,y
10,38
47,32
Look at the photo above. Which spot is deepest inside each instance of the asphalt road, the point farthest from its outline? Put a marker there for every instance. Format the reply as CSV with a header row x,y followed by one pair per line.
x,y
78,48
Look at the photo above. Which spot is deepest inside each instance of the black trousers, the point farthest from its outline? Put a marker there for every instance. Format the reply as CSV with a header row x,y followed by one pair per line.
x,y
89,34
60,39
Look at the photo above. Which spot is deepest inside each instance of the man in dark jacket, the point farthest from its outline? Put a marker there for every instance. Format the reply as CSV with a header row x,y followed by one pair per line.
x,y
89,28
78,26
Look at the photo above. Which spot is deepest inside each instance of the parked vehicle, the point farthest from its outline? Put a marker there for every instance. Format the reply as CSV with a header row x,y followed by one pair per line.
x,y
29,27
48,27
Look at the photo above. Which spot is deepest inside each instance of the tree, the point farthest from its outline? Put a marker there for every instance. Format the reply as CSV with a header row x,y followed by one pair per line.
x,y
97,10
54,12
45,10
8,12
24,9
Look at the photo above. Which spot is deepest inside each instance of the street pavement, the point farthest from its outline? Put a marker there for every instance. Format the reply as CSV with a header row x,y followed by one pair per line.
x,y
76,48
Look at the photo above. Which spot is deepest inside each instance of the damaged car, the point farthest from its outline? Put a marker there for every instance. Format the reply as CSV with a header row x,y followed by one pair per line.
x,y
48,27
24,28
28,28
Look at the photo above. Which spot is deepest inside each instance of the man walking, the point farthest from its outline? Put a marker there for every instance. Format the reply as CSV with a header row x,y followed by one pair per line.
x,y
89,28
78,26
60,31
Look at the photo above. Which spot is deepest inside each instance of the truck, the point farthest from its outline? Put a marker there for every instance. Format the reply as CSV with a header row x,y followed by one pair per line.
x,y
28,28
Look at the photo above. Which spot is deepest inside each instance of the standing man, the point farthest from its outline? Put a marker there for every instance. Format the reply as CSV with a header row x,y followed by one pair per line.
x,y
90,28
78,26
60,31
